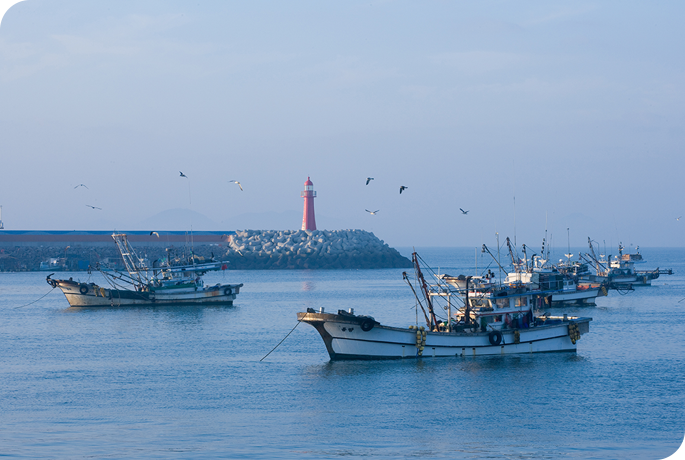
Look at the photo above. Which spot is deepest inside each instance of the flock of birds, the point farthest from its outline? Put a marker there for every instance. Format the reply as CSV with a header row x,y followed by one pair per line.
x,y
234,181
402,189
89,206
368,180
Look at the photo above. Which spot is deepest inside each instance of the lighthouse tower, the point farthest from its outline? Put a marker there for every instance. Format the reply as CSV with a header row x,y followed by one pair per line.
x,y
308,220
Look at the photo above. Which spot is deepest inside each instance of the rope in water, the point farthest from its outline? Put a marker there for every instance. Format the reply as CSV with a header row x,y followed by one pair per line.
x,y
22,306
279,343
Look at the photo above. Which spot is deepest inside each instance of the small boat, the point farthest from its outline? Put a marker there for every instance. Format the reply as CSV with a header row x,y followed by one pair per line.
x,y
53,264
492,319
169,282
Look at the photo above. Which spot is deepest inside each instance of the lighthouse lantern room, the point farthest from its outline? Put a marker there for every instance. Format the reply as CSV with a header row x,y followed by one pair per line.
x,y
308,220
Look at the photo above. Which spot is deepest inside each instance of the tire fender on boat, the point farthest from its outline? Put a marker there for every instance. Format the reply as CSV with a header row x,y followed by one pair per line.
x,y
495,337
228,291
367,325
83,289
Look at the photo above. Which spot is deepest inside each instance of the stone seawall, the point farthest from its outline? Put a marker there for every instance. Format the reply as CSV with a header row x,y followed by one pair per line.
x,y
245,250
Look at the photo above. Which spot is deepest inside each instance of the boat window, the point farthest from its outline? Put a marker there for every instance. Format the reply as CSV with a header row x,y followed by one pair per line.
x,y
502,303
521,301
480,303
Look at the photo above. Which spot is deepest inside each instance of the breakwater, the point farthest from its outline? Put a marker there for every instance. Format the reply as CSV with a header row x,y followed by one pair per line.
x,y
243,250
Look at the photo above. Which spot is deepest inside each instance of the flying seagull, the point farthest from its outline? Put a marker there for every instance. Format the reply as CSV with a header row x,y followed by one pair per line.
x,y
94,207
81,185
678,218
402,187
463,212
236,182
368,179
373,213
183,175
154,233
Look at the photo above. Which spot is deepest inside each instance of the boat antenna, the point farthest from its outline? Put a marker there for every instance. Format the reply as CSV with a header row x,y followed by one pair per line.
x,y
514,220
513,186
498,259
545,240
568,240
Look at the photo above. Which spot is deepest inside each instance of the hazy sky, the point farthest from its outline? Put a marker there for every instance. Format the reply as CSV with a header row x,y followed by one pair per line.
x,y
523,113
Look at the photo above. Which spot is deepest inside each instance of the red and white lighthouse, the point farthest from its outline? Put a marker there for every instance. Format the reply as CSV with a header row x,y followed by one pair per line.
x,y
308,220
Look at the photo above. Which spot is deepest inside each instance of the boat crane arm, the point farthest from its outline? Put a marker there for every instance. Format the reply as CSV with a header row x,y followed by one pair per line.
x,y
593,255
485,249
406,278
599,266
513,258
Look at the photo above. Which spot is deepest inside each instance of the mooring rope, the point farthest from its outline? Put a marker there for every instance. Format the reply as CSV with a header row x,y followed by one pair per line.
x,y
279,343
22,306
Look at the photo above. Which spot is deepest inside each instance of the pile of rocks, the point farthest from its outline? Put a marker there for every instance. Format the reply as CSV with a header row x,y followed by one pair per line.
x,y
273,249
246,250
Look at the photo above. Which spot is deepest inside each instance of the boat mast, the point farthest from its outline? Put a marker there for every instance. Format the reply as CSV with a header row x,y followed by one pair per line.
x,y
406,278
135,268
424,288
525,256
467,304
517,267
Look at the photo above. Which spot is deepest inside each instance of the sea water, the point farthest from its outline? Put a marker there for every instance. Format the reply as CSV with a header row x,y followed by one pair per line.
x,y
187,382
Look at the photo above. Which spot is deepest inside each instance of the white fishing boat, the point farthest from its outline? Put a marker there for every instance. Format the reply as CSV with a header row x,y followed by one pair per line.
x,y
169,282
492,319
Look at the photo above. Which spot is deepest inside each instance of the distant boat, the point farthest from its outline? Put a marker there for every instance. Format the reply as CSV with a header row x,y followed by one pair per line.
x,y
171,282
53,264
563,279
492,320
619,273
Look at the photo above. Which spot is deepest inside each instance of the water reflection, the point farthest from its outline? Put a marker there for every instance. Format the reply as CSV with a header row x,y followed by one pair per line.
x,y
308,286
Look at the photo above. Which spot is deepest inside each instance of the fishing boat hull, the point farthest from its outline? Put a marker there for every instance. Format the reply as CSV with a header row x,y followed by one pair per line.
x,y
92,295
348,337
627,281
585,296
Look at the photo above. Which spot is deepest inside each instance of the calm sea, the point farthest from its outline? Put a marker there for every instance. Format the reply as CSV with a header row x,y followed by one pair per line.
x,y
188,382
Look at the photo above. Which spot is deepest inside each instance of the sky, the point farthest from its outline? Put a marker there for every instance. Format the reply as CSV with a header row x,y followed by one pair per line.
x,y
560,117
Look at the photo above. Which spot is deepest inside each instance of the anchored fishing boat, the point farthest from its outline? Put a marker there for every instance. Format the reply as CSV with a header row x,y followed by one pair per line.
x,y
167,282
619,273
489,319
562,279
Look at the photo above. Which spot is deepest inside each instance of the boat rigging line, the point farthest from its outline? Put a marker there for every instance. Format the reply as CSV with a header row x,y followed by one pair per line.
x,y
485,249
406,278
